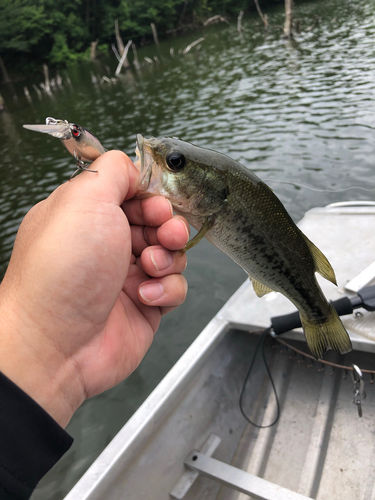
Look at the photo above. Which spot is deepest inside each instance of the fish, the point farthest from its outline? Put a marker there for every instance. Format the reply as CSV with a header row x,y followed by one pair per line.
x,y
80,143
237,212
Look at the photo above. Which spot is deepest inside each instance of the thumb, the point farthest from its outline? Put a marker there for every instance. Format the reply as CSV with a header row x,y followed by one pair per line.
x,y
115,180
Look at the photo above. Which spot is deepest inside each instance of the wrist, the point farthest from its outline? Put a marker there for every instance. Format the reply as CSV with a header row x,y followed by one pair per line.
x,y
30,361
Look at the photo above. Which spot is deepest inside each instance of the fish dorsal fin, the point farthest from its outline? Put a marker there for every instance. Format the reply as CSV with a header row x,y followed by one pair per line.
x,y
322,266
259,288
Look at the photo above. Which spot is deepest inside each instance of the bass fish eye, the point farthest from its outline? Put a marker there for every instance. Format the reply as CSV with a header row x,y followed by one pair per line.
x,y
175,161
75,131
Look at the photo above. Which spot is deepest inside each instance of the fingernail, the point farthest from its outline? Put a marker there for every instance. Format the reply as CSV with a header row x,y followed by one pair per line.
x,y
185,226
151,291
171,206
161,259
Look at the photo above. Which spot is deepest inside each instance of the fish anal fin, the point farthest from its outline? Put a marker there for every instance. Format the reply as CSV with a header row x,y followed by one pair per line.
x,y
327,334
322,265
259,288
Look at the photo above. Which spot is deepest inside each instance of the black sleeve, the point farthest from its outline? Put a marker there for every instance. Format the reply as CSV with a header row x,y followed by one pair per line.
x,y
31,442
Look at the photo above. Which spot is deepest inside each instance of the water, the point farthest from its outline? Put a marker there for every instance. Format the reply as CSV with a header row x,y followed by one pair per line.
x,y
299,111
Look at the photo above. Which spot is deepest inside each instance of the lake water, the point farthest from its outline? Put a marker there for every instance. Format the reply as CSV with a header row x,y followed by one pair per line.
x,y
301,111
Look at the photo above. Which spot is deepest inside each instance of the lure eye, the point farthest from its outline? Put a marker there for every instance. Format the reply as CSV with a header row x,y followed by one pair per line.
x,y
75,131
176,161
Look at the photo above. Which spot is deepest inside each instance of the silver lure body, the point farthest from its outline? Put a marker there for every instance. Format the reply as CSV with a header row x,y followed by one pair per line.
x,y
80,143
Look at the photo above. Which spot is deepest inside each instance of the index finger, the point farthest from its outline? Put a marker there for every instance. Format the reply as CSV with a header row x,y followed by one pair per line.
x,y
153,211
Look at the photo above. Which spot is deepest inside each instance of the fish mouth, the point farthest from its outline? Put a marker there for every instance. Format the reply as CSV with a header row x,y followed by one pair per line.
x,y
143,163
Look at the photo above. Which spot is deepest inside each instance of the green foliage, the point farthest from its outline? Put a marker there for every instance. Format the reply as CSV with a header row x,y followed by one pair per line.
x,y
59,32
22,25
60,52
135,17
102,48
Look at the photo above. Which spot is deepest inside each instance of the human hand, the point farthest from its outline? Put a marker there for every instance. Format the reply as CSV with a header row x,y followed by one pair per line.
x,y
89,278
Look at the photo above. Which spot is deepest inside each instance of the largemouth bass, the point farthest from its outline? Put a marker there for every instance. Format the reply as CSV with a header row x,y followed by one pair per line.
x,y
237,212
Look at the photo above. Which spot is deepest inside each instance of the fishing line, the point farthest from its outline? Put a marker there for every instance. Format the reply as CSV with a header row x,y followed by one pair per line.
x,y
260,344
320,190
322,361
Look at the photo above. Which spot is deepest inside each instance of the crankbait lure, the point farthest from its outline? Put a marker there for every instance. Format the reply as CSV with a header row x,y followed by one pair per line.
x,y
80,143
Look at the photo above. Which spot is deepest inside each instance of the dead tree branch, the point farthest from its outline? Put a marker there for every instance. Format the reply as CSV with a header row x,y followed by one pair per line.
x,y
239,22
215,19
155,34
120,45
288,19
116,52
4,71
135,60
47,85
263,17
123,57
189,47
93,50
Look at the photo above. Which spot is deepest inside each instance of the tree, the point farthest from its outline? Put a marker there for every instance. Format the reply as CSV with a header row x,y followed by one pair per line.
x,y
22,25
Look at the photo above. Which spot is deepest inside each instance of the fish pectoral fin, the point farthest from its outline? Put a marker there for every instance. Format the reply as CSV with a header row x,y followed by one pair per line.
x,y
208,224
259,288
322,265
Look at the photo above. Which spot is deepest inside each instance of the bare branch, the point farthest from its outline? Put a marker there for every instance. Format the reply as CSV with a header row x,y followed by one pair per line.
x,y
47,85
239,22
93,49
115,52
117,72
215,19
135,60
120,43
288,18
155,34
264,17
189,47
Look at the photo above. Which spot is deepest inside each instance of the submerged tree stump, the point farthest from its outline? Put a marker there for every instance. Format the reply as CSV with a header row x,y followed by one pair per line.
x,y
4,71
93,50
288,19
155,34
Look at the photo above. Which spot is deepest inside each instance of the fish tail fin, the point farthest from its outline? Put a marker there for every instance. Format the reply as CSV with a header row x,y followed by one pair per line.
x,y
327,334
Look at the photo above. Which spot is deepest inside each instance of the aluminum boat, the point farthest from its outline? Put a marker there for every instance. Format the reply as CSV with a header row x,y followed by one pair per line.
x,y
189,439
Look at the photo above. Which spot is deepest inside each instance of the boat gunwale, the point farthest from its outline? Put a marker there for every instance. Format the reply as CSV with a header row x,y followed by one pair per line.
x,y
93,484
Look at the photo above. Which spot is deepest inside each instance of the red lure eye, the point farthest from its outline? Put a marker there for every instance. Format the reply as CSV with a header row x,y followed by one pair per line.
x,y
75,131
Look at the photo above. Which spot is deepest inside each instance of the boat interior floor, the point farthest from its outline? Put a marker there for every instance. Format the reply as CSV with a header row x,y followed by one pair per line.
x,y
319,447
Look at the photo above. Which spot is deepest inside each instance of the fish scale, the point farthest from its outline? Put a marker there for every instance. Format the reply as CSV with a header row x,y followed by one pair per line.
x,y
240,215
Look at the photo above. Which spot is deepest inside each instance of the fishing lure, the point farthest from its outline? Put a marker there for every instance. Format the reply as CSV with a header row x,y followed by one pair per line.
x,y
80,143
